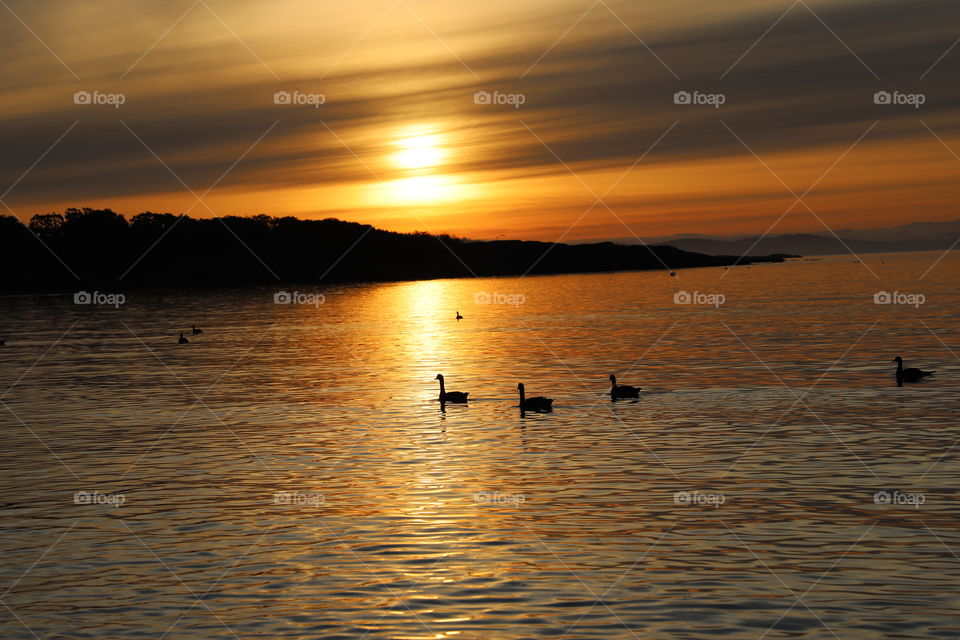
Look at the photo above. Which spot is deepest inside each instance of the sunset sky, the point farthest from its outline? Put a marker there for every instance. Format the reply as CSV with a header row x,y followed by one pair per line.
x,y
597,149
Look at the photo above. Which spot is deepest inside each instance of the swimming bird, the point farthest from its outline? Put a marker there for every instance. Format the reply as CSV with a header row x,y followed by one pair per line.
x,y
910,375
537,403
459,317
183,340
196,331
450,396
622,390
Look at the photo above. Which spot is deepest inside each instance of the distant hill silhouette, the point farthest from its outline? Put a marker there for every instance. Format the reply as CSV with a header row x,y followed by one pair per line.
x,y
918,236
151,250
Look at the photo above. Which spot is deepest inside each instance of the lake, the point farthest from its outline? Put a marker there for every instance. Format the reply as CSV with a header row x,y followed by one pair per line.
x,y
290,474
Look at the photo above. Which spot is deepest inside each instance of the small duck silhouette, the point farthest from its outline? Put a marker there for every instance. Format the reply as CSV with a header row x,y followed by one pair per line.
x,y
450,396
183,340
537,403
909,375
459,317
196,331
622,390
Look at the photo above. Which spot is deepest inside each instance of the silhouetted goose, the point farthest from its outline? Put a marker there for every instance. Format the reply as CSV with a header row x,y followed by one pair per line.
x,y
459,317
182,340
196,331
910,375
537,403
450,396
622,390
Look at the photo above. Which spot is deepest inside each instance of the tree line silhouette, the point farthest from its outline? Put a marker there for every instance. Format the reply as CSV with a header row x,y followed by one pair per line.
x,y
101,249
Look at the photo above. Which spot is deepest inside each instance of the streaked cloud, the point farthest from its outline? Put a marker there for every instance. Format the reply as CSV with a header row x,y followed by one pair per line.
x,y
199,92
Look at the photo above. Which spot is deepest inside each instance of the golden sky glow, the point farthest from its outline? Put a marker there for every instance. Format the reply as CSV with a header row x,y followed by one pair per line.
x,y
540,120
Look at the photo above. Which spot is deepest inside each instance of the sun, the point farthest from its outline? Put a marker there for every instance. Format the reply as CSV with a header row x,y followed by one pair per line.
x,y
419,177
419,149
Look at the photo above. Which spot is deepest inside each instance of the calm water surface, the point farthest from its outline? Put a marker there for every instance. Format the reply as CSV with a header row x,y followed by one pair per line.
x,y
289,473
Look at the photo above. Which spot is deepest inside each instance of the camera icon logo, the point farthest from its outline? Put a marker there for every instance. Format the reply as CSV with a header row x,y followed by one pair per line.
x,y
681,497
682,97
881,497
882,297
282,97
482,97
682,297
82,297
481,297
282,297
82,97
882,97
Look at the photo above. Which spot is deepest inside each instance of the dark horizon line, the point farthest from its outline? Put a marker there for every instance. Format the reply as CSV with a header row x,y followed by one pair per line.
x,y
619,240
101,249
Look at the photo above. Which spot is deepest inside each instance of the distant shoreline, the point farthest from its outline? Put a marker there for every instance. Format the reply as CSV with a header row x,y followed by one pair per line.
x,y
99,249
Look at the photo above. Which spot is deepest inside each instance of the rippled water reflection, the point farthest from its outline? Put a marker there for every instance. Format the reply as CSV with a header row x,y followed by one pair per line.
x,y
289,473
